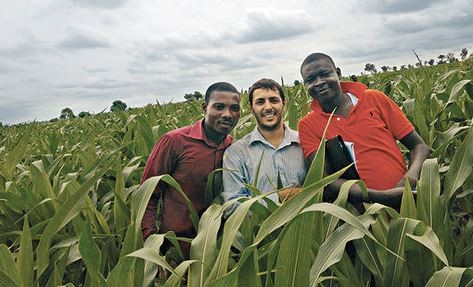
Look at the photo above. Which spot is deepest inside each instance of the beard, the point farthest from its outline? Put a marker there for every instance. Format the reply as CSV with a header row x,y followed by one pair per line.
x,y
269,126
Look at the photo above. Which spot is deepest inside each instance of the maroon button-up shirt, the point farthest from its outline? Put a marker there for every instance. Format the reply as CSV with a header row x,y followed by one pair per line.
x,y
188,156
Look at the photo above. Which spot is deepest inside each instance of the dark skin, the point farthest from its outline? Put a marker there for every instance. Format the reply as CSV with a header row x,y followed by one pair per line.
x,y
222,112
321,78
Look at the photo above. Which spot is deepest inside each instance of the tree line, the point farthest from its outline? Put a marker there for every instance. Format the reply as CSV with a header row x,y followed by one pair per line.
x,y
441,59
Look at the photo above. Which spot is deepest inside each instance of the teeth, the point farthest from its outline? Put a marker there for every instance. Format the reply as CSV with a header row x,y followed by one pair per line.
x,y
269,115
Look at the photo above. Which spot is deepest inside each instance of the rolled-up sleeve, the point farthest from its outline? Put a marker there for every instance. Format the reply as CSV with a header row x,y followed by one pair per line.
x,y
234,175
161,161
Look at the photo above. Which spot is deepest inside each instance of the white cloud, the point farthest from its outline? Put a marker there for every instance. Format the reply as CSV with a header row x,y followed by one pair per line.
x,y
84,54
83,37
100,3
268,24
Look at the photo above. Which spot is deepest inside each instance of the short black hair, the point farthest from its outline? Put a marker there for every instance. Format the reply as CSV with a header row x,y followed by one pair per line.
x,y
266,84
317,56
220,87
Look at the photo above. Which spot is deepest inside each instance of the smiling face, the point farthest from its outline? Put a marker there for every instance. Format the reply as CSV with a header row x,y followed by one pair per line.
x,y
322,81
221,114
267,106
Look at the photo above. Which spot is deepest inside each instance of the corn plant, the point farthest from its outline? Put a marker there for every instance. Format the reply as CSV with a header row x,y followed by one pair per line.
x,y
71,204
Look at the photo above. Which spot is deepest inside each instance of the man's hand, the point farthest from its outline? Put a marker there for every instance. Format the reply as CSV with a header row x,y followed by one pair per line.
x,y
287,193
402,182
391,197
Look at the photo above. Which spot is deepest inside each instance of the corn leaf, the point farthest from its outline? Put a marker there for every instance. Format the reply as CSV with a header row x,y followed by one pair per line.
x,y
25,261
460,168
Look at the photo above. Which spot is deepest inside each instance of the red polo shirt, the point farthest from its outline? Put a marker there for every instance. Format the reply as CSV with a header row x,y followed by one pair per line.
x,y
188,156
373,125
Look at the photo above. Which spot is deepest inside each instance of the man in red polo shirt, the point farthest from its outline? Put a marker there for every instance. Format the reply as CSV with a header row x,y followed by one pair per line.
x,y
189,154
368,119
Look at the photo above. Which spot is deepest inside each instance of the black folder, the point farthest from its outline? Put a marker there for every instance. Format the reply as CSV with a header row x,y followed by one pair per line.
x,y
338,157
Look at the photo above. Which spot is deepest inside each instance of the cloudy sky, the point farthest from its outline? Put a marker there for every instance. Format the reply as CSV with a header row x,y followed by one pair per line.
x,y
84,54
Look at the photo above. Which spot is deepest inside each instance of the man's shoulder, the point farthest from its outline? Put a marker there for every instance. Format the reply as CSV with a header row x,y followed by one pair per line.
x,y
179,132
240,144
372,94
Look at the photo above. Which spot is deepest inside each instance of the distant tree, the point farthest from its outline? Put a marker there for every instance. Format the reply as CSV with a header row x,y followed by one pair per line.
x,y
451,58
431,62
403,67
464,53
67,113
53,120
354,78
297,82
394,68
441,58
410,66
370,68
193,96
384,68
83,114
118,106
418,64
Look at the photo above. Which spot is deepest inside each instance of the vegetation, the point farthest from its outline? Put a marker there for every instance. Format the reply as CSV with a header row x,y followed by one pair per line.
x,y
71,204
118,106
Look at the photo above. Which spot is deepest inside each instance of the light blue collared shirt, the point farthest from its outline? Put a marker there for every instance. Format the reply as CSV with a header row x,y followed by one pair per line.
x,y
241,160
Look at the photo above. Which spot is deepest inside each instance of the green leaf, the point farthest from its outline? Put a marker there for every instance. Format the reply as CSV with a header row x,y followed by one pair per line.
x,y
176,278
204,246
7,266
429,208
460,168
408,205
59,219
121,212
457,90
143,194
14,157
396,272
229,232
231,279
6,280
293,206
429,239
295,256
91,256
448,276
25,262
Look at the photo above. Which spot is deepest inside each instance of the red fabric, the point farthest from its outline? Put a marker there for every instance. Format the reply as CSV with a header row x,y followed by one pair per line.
x,y
373,125
188,156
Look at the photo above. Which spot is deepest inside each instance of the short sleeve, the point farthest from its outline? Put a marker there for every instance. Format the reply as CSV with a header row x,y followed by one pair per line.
x,y
396,121
310,142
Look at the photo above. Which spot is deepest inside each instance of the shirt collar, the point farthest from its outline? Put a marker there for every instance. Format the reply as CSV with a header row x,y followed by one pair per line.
x,y
197,132
354,88
290,136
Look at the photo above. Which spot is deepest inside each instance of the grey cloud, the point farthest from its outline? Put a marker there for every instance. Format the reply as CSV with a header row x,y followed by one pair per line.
x,y
453,16
6,68
108,4
26,45
15,110
100,84
397,6
270,24
83,38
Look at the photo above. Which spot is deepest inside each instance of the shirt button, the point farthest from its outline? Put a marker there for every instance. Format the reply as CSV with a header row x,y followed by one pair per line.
x,y
338,119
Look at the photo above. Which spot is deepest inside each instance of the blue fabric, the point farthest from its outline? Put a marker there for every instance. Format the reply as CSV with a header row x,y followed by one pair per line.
x,y
241,159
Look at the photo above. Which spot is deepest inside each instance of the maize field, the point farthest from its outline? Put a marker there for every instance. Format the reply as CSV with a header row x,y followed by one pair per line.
x,y
71,204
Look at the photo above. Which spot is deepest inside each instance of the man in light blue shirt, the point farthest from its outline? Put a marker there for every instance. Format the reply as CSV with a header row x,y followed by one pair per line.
x,y
276,145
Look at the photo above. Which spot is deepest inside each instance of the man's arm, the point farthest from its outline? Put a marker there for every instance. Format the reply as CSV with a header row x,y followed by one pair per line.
x,y
419,152
160,161
234,175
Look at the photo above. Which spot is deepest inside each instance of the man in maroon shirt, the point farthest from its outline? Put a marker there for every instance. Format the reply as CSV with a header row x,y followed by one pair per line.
x,y
189,154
